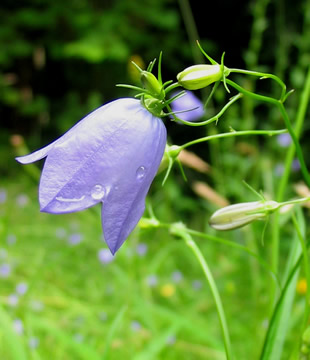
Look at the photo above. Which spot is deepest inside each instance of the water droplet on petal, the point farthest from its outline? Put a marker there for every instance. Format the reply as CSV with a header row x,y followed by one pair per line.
x,y
140,173
97,192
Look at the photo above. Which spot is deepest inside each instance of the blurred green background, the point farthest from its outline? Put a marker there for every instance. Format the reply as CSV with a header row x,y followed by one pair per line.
x,y
61,295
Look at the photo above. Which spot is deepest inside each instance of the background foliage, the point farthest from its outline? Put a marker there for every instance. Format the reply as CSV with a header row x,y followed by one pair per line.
x,y
59,61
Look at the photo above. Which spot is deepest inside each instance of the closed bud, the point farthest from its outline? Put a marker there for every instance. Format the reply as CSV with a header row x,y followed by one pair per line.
x,y
151,83
199,76
235,216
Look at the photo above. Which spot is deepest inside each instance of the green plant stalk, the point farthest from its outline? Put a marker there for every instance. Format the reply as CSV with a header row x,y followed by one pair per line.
x,y
231,134
153,222
210,120
287,122
259,10
301,112
219,306
191,29
307,271
262,75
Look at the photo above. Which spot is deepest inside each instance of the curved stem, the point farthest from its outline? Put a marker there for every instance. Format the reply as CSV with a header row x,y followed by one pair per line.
x,y
231,134
262,75
217,299
172,87
296,143
155,223
306,267
287,122
213,118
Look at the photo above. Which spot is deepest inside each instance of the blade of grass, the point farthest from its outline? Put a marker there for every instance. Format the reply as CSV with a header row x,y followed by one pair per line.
x,y
280,320
114,327
80,350
188,323
153,349
11,339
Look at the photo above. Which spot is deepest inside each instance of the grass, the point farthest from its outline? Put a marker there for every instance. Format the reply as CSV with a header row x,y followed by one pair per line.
x,y
150,302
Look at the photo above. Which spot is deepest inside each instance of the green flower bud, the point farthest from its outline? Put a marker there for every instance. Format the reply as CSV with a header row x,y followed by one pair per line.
x,y
199,76
153,105
151,83
235,216
171,153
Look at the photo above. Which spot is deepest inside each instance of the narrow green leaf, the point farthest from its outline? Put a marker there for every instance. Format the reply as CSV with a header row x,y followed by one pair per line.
x,y
280,320
12,341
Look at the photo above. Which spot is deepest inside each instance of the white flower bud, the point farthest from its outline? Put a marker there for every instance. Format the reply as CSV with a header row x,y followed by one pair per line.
x,y
199,76
235,216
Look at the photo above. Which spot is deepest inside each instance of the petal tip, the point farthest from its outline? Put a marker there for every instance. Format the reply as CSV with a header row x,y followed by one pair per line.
x,y
22,159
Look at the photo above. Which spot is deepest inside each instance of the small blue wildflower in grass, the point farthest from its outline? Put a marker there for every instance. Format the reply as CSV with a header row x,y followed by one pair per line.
x,y
135,325
79,338
105,256
3,196
284,140
141,249
295,165
110,157
171,339
75,239
177,276
187,102
36,305
3,254
5,270
13,300
103,316
11,239
279,169
60,233
33,342
21,288
18,326
22,200
152,280
197,284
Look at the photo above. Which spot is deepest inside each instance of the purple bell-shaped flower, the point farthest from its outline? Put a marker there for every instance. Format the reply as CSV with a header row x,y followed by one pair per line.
x,y
111,156
188,107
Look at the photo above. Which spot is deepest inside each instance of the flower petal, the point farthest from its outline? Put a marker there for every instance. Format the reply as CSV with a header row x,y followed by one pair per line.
x,y
110,156
134,173
35,156
75,176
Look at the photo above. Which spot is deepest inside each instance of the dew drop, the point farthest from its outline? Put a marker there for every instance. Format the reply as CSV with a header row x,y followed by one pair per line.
x,y
97,192
62,199
140,173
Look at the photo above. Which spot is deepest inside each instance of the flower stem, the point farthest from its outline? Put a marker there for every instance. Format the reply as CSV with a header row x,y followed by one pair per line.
x,y
213,118
231,134
218,303
287,122
262,75
304,102
307,269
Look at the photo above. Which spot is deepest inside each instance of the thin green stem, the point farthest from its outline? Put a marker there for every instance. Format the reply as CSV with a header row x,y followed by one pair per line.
x,y
213,118
231,134
307,269
217,299
191,29
295,201
301,113
154,222
262,75
172,87
287,122
298,149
